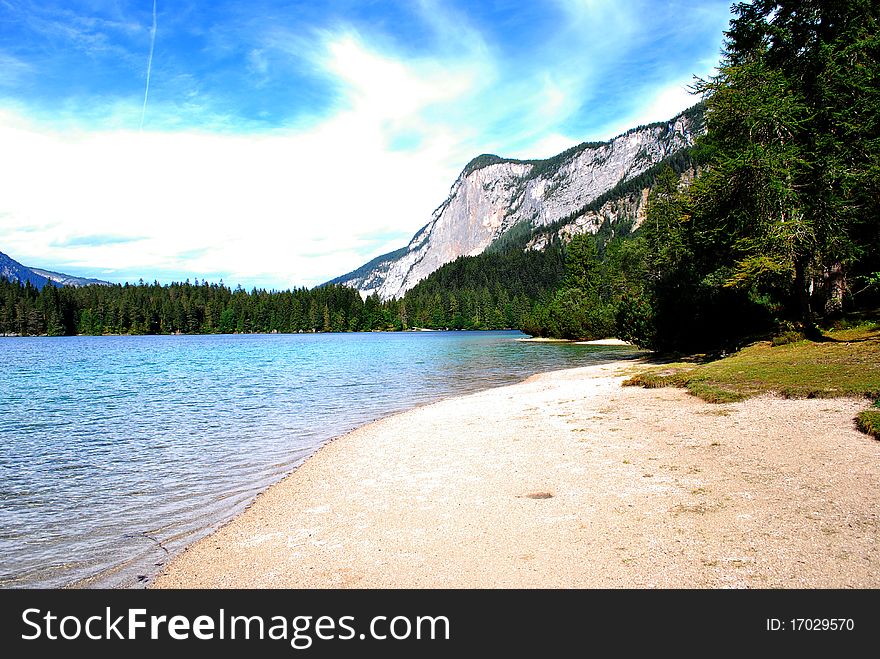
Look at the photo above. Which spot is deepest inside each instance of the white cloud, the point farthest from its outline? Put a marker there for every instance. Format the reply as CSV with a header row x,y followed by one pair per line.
x,y
384,88
546,147
257,63
287,209
667,103
661,104
603,23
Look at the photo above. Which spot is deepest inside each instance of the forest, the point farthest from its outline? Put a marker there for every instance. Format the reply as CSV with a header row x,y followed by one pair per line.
x,y
187,308
496,291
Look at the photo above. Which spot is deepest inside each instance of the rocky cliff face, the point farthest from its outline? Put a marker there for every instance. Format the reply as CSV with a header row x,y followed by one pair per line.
x,y
625,213
494,195
622,214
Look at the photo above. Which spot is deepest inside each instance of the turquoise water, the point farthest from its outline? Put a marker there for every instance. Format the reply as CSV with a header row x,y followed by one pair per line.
x,y
116,452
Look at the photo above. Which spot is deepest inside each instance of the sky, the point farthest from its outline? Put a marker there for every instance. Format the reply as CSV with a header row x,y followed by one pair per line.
x,y
278,144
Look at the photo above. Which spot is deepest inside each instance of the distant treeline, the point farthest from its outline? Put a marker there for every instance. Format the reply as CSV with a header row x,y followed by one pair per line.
x,y
497,291
188,308
494,292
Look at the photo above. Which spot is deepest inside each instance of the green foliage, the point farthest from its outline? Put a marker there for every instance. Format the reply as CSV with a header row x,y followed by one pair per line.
x,y
634,320
489,291
572,313
786,337
869,423
783,216
577,310
185,308
658,380
582,267
664,231
713,394
789,199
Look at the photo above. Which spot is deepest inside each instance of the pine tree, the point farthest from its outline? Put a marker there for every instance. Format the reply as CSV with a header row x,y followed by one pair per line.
x,y
790,190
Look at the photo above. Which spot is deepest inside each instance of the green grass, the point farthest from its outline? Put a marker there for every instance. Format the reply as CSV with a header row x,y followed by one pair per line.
x,y
844,362
869,423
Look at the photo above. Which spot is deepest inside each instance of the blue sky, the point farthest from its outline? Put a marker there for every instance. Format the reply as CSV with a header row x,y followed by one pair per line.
x,y
276,144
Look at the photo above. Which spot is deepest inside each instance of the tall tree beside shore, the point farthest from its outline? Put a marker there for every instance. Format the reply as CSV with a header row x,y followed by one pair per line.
x,y
783,221
790,191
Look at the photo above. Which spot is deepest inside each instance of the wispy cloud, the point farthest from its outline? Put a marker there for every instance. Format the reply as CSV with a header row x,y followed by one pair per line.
x,y
661,103
149,66
97,240
258,63
66,28
13,70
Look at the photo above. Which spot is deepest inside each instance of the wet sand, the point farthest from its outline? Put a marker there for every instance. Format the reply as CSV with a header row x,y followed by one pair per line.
x,y
567,480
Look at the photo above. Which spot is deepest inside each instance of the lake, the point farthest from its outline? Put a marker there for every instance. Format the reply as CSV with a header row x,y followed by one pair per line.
x,y
118,451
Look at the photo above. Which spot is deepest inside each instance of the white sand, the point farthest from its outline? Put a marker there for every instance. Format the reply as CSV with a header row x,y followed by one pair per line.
x,y
604,342
568,480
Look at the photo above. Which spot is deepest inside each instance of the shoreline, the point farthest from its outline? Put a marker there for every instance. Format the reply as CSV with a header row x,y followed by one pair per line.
x,y
565,480
593,342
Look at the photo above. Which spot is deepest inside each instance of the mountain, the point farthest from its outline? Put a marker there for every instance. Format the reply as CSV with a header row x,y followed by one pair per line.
x,y
368,267
12,270
68,280
501,200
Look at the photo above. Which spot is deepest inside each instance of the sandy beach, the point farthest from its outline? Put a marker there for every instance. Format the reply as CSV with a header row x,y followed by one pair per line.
x,y
567,480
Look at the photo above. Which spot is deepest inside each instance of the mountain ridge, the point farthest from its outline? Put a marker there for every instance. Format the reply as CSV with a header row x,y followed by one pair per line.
x,y
494,195
13,271
69,280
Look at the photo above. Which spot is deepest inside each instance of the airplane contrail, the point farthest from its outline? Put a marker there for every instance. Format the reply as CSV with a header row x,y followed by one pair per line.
x,y
149,66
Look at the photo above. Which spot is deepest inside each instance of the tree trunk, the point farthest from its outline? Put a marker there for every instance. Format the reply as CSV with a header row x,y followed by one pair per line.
x,y
835,287
803,297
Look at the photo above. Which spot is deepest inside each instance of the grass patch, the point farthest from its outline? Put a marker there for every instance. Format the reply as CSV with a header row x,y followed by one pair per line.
x,y
845,361
671,375
714,394
869,423
784,338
